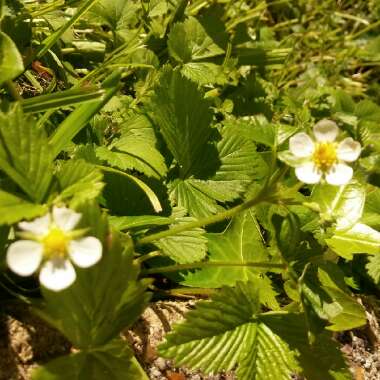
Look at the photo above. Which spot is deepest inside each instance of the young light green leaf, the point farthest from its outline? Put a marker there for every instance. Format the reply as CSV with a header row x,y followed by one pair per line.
x,y
111,361
11,64
341,204
360,238
240,242
13,209
25,154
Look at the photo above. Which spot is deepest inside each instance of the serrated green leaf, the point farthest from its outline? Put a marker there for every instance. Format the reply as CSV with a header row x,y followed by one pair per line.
x,y
11,64
241,242
135,149
373,267
183,117
25,154
188,41
324,290
360,238
111,361
322,360
234,163
341,204
185,247
13,209
117,14
79,182
203,72
230,331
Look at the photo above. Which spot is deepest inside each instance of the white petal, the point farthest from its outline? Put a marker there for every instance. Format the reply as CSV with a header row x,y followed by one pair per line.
x,y
39,226
24,257
85,252
339,175
57,274
349,150
326,131
308,173
301,145
65,218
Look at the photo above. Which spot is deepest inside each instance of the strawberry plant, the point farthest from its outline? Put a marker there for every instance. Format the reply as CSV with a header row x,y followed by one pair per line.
x,y
225,147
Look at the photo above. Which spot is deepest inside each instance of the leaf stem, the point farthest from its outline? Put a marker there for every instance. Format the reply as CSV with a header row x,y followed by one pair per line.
x,y
265,195
210,264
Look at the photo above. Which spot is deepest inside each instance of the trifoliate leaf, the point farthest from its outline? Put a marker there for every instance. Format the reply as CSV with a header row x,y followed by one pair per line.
x,y
13,209
79,182
11,64
111,361
230,331
25,154
241,243
360,238
188,41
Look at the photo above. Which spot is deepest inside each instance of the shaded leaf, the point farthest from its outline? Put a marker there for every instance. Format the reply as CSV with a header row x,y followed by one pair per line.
x,y
111,361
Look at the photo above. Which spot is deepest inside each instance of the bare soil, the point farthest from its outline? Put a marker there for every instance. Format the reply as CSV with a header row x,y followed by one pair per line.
x,y
26,342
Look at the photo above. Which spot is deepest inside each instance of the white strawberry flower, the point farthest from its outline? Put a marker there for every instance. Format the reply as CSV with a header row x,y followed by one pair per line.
x,y
52,244
322,158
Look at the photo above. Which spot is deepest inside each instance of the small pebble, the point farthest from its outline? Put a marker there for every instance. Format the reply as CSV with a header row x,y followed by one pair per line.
x,y
160,363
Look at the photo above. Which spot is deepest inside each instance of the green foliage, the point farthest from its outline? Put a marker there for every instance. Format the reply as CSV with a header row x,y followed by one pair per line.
x,y
185,247
234,332
171,120
112,360
241,242
25,155
13,209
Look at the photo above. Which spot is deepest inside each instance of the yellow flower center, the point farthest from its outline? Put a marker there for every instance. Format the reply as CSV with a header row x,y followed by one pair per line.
x,y
55,243
325,155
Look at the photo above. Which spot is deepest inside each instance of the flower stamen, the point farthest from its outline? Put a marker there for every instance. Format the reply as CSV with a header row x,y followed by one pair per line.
x,y
55,243
325,155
